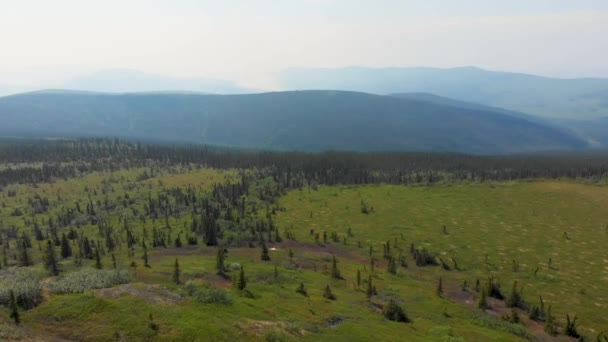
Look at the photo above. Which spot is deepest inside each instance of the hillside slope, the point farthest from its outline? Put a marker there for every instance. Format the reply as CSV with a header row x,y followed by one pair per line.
x,y
302,120
542,96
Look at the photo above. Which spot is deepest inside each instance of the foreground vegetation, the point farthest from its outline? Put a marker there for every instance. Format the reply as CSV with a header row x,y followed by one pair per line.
x,y
127,245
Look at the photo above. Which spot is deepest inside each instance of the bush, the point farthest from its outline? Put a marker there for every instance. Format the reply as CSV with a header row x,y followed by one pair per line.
x,y
207,294
25,284
394,312
89,279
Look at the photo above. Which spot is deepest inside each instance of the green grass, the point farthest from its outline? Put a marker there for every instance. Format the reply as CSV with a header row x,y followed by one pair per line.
x,y
523,221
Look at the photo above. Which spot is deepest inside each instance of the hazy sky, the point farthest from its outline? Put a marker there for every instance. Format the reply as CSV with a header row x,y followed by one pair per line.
x,y
250,40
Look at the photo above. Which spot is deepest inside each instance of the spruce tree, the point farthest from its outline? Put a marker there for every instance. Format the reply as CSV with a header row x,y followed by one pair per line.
x,y
335,273
515,300
327,294
392,265
219,260
12,305
482,302
24,256
358,278
265,256
242,282
113,261
439,290
97,259
550,325
370,288
176,273
392,311
66,249
145,257
50,259
302,290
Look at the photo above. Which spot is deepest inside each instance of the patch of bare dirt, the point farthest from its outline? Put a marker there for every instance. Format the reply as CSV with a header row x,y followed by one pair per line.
x,y
152,294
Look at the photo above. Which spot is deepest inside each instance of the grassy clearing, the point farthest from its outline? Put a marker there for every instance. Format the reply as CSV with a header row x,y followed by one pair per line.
x,y
557,227
529,222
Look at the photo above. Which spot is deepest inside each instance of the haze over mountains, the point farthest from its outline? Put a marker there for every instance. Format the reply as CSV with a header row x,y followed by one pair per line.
x,y
421,109
582,98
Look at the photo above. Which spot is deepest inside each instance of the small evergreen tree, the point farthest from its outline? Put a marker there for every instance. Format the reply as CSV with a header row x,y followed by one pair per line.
x,y
439,290
113,261
571,327
392,265
145,256
370,288
242,282
358,279
301,290
327,294
265,255
515,300
50,259
12,305
482,302
219,260
550,325
176,273
24,256
97,259
394,312
66,249
335,272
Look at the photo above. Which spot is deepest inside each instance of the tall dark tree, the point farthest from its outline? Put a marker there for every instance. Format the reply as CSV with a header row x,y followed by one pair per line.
x,y
369,292
327,294
50,259
219,260
24,256
176,273
12,306
145,256
242,282
394,312
98,264
66,248
335,272
482,301
265,255
439,289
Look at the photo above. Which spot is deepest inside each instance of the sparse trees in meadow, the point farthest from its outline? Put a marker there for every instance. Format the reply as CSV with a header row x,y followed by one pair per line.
x,y
394,312
302,290
327,294
176,273
50,259
242,281
335,272
265,256
12,306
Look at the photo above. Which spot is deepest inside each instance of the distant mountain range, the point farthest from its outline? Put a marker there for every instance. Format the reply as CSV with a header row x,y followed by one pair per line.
x,y
294,120
126,80
577,99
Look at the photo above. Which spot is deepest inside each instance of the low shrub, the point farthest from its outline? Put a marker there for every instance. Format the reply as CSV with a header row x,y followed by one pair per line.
x,y
89,279
207,294
25,284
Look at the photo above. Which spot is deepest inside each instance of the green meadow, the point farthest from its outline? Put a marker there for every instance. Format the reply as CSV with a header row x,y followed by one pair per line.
x,y
550,236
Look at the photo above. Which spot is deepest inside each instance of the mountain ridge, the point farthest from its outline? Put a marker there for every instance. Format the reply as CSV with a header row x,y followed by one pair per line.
x,y
294,120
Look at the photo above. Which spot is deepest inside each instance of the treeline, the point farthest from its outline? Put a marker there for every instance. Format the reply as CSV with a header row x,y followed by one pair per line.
x,y
45,160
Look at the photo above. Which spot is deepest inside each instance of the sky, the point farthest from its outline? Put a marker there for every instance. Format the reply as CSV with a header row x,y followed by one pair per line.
x,y
250,41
